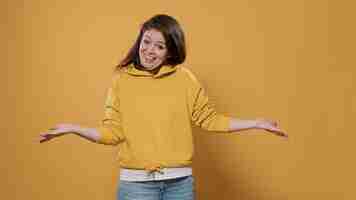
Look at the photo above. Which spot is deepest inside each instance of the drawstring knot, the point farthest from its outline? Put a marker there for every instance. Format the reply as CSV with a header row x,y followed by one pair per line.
x,y
151,168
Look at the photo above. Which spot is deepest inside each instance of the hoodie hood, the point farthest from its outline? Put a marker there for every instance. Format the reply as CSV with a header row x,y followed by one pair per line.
x,y
164,70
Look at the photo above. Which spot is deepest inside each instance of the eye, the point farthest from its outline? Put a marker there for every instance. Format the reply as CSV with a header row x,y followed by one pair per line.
x,y
146,41
161,47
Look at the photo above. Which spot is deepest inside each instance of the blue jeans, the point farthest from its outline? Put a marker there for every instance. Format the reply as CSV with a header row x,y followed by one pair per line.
x,y
171,189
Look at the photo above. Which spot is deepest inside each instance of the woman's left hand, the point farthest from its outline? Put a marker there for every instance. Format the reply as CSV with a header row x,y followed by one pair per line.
x,y
270,126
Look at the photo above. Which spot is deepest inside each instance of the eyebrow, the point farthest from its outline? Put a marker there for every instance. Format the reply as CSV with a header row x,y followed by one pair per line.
x,y
146,36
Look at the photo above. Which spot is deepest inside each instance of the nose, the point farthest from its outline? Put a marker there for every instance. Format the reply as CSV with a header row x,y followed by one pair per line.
x,y
150,49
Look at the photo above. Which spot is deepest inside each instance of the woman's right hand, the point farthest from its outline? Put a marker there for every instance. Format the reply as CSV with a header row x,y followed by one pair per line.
x,y
58,130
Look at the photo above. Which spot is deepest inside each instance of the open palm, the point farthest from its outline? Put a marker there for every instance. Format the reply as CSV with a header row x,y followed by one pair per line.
x,y
271,126
58,130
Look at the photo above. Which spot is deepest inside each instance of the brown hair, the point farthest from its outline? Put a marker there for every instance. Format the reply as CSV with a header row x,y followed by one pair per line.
x,y
172,33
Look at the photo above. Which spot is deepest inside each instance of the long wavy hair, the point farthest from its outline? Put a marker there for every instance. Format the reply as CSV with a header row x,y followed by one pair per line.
x,y
173,35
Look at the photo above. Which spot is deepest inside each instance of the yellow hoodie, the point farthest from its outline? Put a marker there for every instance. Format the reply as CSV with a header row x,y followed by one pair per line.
x,y
149,117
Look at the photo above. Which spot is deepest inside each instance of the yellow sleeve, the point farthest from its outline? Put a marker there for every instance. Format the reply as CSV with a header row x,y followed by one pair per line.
x,y
110,128
203,113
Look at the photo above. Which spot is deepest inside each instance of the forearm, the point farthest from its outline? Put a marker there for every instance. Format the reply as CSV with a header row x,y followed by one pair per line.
x,y
239,125
91,134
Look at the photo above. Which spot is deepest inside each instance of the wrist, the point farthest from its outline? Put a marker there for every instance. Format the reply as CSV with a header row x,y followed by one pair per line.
x,y
258,124
81,130
238,124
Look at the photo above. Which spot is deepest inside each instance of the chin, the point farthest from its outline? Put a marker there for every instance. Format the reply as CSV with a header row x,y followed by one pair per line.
x,y
150,67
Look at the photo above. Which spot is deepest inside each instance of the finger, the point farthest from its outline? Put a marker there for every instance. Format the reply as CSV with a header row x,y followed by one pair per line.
x,y
53,132
273,129
48,134
278,132
46,137
281,133
43,135
43,139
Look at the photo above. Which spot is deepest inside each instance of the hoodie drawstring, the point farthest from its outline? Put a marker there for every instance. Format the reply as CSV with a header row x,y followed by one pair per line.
x,y
151,168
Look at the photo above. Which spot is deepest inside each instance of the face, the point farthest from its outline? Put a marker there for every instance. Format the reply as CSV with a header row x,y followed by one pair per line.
x,y
153,50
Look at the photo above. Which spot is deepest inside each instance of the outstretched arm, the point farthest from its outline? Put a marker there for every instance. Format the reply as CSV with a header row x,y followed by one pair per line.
x,y
91,134
271,126
110,130
204,115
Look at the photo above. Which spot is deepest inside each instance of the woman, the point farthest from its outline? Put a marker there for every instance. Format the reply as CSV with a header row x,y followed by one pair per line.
x,y
148,114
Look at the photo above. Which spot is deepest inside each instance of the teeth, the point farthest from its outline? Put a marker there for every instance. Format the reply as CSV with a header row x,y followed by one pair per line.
x,y
150,58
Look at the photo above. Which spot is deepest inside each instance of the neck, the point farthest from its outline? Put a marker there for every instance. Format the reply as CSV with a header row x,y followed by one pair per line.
x,y
153,71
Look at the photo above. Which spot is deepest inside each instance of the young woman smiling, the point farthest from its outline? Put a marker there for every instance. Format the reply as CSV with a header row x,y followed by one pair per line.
x,y
148,114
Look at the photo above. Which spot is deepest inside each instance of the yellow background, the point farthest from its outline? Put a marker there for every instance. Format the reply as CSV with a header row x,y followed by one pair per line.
x,y
293,61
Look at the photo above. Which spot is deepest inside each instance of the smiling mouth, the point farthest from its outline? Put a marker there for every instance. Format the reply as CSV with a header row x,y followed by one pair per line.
x,y
149,59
